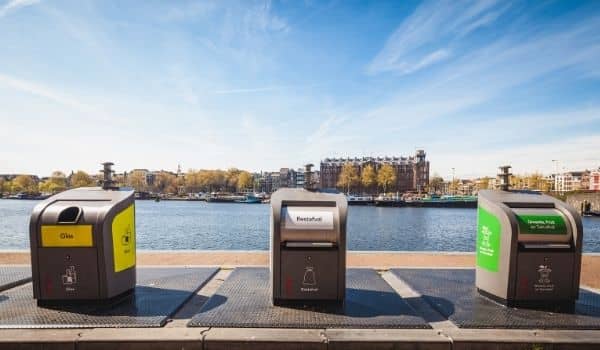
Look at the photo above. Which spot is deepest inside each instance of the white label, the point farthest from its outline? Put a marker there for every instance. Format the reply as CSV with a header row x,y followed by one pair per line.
x,y
302,219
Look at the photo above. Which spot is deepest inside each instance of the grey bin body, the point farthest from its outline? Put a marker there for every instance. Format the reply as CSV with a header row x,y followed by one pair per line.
x,y
308,246
83,245
528,249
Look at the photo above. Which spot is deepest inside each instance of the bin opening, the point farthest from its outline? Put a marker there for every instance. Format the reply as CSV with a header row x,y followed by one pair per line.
x,y
309,244
69,215
535,246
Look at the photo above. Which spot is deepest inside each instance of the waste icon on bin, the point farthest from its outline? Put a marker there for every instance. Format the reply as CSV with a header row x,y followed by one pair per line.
x,y
309,277
70,276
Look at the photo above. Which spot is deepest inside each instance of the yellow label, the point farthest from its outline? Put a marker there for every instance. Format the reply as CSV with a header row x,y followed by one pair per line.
x,y
123,237
67,236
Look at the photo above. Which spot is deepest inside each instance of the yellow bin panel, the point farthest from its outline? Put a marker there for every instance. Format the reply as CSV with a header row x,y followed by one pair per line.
x,y
123,237
67,236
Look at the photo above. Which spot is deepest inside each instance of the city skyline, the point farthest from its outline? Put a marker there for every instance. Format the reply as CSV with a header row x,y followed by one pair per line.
x,y
261,85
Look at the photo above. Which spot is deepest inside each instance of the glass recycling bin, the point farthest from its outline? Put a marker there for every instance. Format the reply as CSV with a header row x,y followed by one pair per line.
x,y
83,245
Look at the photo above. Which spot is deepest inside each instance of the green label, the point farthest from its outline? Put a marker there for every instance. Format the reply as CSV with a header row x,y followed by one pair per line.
x,y
488,240
542,224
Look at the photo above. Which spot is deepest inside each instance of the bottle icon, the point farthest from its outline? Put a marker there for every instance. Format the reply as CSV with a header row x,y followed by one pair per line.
x,y
309,277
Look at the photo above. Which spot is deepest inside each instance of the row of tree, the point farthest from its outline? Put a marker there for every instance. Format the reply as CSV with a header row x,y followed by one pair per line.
x,y
163,182
193,181
368,179
57,182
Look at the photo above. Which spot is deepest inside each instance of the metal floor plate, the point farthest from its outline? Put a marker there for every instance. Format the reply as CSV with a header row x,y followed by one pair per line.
x,y
11,276
159,293
452,292
244,300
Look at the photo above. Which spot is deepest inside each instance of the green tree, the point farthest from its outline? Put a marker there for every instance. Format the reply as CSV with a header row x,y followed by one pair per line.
x,y
348,177
244,180
454,186
3,186
165,182
58,181
484,183
436,183
81,179
368,177
193,181
386,177
231,177
24,183
137,181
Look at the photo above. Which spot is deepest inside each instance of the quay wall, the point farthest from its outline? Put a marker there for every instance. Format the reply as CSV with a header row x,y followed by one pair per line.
x,y
578,199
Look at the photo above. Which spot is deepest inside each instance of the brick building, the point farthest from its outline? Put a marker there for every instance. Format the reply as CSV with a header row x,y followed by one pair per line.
x,y
412,173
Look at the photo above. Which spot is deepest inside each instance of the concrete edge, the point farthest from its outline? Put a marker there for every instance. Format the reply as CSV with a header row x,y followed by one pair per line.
x,y
291,335
260,335
339,335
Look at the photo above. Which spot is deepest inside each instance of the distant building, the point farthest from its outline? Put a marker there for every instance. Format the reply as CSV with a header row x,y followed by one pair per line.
x,y
300,178
567,182
594,180
412,173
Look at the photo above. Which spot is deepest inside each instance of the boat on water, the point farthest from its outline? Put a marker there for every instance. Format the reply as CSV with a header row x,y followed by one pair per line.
x,y
249,199
434,201
388,201
360,200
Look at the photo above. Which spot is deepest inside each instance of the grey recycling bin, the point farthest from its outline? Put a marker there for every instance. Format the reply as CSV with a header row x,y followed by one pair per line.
x,y
308,246
83,245
528,249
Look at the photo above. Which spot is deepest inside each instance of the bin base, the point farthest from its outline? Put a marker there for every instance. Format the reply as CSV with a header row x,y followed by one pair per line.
x,y
117,299
543,305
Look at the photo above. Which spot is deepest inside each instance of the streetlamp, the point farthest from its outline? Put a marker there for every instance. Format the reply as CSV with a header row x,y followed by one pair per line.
x,y
452,184
555,161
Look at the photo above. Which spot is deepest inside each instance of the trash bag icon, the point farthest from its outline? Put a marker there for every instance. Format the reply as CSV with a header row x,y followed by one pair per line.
x,y
309,276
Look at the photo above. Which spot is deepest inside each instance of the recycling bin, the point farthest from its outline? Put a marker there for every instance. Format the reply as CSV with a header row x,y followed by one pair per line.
x,y
528,249
83,245
308,246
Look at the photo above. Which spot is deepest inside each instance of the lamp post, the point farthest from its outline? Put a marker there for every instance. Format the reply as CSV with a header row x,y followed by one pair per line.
x,y
452,184
555,161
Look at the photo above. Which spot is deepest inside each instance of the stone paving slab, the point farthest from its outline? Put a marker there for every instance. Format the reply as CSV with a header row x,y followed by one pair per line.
x,y
452,292
159,293
244,300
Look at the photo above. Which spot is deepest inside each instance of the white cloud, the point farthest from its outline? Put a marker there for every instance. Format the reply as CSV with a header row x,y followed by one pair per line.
x,y
487,72
51,94
13,5
433,24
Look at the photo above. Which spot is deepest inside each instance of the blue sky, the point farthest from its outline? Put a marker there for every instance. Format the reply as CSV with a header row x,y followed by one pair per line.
x,y
262,85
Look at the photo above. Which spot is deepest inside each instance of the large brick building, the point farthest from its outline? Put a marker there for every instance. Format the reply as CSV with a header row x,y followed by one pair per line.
x,y
412,173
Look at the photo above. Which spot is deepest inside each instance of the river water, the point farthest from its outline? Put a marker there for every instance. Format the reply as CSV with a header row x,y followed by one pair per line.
x,y
174,225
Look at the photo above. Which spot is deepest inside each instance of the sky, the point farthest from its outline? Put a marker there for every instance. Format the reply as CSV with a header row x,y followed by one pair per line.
x,y
261,85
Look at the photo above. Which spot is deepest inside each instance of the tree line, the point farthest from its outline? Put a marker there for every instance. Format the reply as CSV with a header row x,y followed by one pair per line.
x,y
194,181
369,178
230,180
57,182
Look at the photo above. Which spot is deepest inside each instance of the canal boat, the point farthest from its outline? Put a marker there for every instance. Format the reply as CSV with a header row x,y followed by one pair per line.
x,y
443,202
388,201
249,199
360,200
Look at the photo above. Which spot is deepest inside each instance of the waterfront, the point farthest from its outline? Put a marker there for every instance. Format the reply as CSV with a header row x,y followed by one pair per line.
x,y
178,225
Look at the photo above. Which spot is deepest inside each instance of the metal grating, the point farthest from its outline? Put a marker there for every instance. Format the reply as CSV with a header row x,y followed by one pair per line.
x,y
244,300
452,292
11,276
159,294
